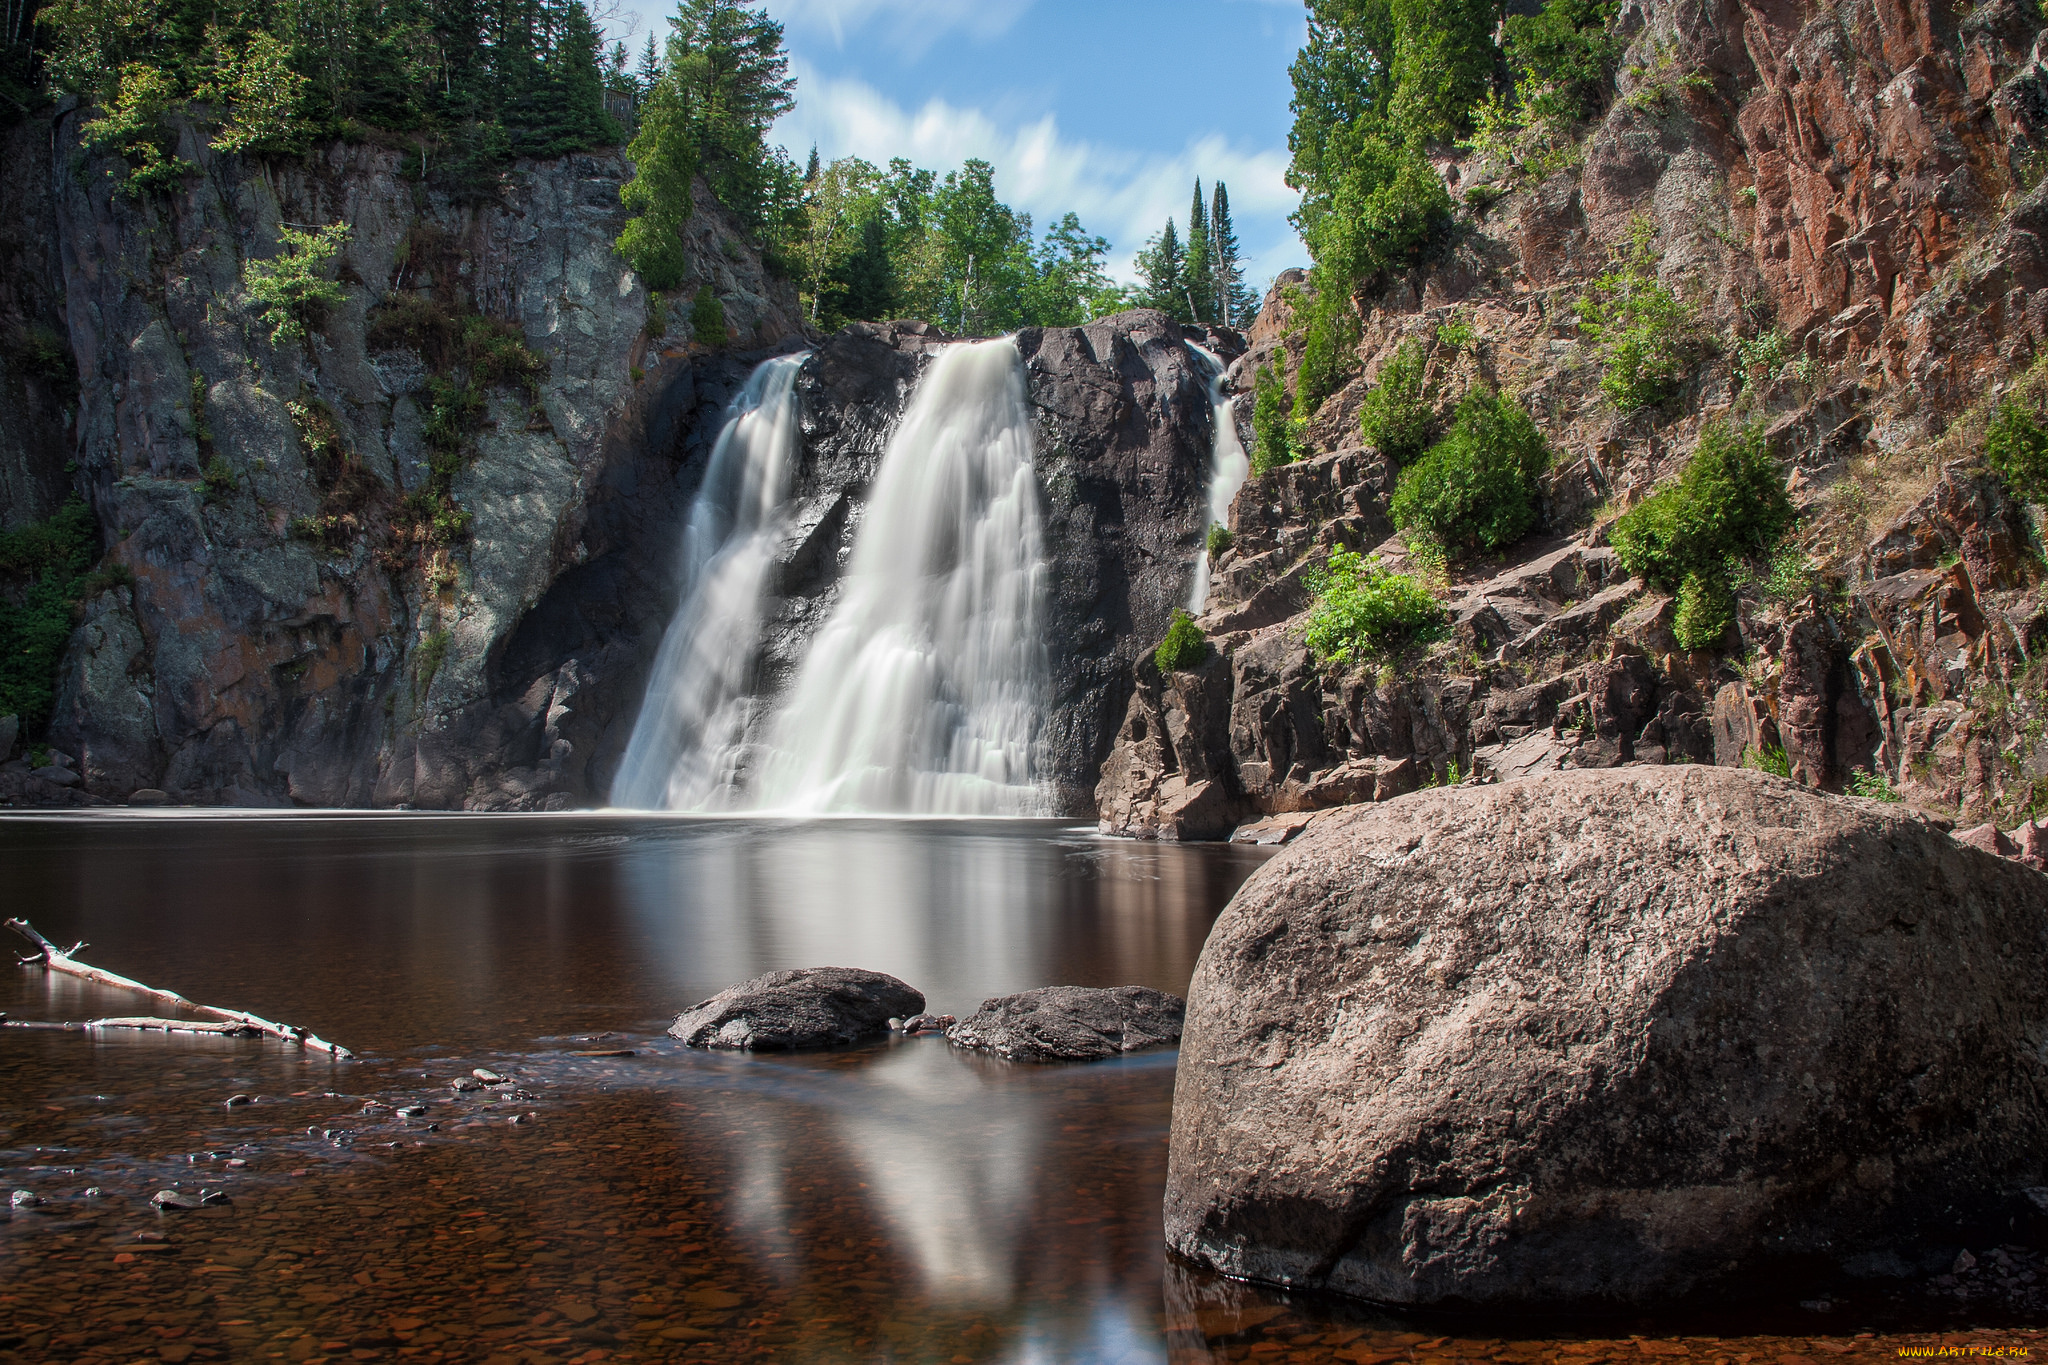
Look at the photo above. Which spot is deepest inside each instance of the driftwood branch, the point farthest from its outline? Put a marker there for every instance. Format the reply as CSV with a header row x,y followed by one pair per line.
x,y
241,1022
138,1022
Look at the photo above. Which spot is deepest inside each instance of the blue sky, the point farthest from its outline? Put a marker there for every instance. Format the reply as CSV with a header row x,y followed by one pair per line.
x,y
1109,108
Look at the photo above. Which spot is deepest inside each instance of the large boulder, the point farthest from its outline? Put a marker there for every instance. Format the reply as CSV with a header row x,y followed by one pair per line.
x,y
1071,1023
805,1008
1612,1037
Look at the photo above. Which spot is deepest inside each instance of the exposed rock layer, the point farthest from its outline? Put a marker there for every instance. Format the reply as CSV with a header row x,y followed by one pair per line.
x,y
1608,1037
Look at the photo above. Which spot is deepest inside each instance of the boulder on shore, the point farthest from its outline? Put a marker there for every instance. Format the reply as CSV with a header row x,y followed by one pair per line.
x,y
1612,1037
1071,1023
808,1007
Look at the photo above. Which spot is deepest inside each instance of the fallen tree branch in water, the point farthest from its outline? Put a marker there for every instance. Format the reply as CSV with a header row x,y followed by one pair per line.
x,y
143,1023
56,959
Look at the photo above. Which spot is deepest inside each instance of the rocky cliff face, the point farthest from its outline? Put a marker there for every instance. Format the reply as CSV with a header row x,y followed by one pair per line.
x,y
1854,185
364,660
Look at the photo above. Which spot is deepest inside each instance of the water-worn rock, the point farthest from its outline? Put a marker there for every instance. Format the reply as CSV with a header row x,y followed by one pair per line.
x,y
808,1007
1071,1023
1610,1036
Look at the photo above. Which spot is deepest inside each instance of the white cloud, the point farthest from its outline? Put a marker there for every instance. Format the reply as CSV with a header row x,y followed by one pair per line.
x,y
1122,194
911,25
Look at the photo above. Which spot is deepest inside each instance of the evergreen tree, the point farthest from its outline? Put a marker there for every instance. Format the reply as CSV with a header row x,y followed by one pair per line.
x,y
649,69
1162,274
730,70
1235,304
1199,277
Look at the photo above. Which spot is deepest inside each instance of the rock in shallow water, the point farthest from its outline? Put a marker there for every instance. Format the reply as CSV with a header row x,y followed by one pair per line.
x,y
1610,1036
1071,1023
809,1007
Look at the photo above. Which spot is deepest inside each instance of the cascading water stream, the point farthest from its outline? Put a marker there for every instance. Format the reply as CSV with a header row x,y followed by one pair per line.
x,y
1228,468
686,743
923,691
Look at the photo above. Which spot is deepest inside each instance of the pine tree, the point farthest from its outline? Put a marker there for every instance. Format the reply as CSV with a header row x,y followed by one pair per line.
x,y
1163,269
732,73
650,68
813,167
1199,282
1235,304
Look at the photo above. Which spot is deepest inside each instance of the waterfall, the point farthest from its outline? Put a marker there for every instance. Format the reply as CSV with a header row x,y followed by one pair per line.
x,y
686,744
923,691
1228,468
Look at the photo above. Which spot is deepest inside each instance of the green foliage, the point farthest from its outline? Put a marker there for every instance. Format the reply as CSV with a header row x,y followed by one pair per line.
x,y
664,156
133,128
1162,275
1396,419
1872,786
1564,58
2016,446
1328,352
1788,576
707,318
1644,335
1200,272
427,660
1476,488
1184,645
218,478
1219,539
469,84
1456,333
1364,611
1771,760
657,314
1729,503
289,290
1758,359
1271,443
44,576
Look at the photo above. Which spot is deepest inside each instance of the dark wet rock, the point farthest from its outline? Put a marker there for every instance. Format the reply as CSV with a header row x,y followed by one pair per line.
x,y
411,1111
925,1023
1071,1023
809,1007
176,1201
489,1077
236,1101
1612,1036
148,796
25,1199
465,1084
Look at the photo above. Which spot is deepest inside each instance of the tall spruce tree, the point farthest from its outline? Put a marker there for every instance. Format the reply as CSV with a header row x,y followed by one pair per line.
x,y
649,69
1199,274
731,71
1234,302
1162,272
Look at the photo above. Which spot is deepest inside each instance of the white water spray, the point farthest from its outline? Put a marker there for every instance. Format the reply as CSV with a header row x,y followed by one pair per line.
x,y
1228,469
924,690
686,743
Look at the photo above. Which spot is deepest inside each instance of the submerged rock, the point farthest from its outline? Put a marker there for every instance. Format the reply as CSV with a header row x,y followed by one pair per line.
x,y
809,1007
1071,1023
1609,1037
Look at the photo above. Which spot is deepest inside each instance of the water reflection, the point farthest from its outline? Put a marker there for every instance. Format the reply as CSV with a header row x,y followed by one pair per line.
x,y
814,1207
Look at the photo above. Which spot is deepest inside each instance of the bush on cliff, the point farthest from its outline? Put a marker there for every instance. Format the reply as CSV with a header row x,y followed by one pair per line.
x,y
44,575
1645,336
1395,419
1365,611
1728,504
1475,490
2017,447
1272,431
1184,645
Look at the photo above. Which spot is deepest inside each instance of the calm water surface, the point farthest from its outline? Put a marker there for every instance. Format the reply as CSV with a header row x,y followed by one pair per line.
x,y
899,1202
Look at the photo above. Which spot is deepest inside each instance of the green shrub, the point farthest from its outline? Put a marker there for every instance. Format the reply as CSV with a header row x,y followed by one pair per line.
x,y
1329,350
43,577
657,313
1564,56
1184,645
1872,786
1271,447
433,649
1771,760
1645,336
2017,447
1456,333
1364,611
1760,358
1219,539
1728,504
1476,489
1395,419
219,479
289,290
707,318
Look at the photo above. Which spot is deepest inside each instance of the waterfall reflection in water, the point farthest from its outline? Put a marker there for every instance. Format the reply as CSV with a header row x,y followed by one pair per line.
x,y
924,691
807,1205
683,754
